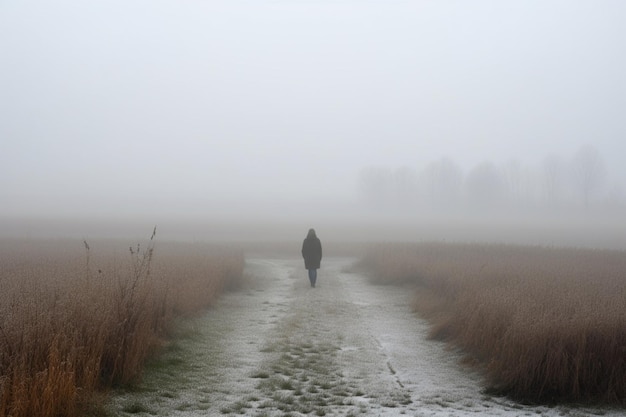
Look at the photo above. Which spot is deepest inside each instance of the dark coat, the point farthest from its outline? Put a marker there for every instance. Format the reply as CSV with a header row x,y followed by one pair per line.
x,y
312,251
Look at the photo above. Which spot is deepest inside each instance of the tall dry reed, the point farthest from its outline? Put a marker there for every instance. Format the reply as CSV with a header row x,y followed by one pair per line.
x,y
545,324
75,319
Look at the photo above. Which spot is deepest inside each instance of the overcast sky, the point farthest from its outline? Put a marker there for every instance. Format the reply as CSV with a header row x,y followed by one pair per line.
x,y
176,106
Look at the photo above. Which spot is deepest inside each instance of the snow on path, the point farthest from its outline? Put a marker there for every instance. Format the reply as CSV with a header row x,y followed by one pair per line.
x,y
344,348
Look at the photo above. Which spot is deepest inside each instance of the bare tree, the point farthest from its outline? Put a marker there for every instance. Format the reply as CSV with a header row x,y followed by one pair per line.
x,y
405,186
485,185
552,168
589,172
514,179
444,179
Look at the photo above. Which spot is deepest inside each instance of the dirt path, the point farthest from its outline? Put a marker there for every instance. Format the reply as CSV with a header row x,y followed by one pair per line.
x,y
344,348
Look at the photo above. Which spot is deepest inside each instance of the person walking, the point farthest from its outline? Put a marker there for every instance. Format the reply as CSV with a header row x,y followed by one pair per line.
x,y
312,254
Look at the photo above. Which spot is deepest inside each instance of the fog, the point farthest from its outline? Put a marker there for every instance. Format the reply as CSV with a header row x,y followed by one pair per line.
x,y
482,120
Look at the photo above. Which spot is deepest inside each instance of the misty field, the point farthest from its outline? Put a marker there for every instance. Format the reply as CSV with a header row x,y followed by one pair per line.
x,y
78,317
544,324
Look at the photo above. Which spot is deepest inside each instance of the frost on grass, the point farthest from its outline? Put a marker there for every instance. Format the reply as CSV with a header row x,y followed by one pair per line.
x,y
305,378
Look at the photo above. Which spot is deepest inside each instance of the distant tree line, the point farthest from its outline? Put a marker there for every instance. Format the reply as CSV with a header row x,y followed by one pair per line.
x,y
556,184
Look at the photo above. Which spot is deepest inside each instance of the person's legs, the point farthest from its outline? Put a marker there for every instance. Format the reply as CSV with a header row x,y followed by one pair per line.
x,y
312,276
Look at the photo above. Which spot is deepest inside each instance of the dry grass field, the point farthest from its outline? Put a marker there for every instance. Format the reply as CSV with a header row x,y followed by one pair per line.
x,y
544,324
77,317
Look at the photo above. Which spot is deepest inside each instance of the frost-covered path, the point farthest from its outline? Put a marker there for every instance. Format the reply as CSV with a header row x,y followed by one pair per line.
x,y
282,348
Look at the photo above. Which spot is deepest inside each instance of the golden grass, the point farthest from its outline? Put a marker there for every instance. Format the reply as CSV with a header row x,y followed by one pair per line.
x,y
75,320
545,324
